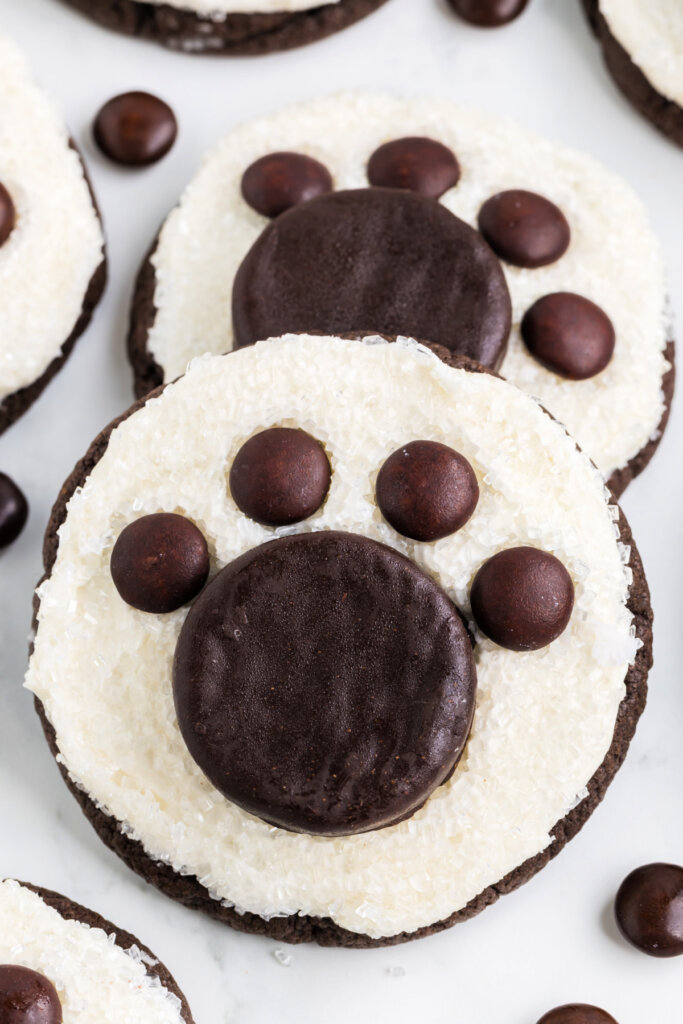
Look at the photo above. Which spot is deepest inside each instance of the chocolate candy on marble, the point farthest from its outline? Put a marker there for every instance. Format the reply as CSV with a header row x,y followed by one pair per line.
x,y
577,1013
489,13
649,909
13,511
135,129
7,214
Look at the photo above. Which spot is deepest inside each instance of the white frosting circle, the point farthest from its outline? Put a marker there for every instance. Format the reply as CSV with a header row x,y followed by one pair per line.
x,y
57,245
651,32
103,670
97,981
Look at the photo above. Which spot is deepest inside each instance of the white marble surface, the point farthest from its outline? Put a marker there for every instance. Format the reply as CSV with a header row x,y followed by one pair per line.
x,y
554,940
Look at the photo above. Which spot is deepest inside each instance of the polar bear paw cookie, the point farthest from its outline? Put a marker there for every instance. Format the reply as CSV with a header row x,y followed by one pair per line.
x,y
228,26
353,646
642,43
62,964
534,261
52,269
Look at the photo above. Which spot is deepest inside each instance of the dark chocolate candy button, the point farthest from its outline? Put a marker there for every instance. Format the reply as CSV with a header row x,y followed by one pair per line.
x,y
325,683
278,181
135,129
374,259
418,164
569,335
426,491
577,1013
13,511
7,214
522,598
159,562
524,229
280,476
27,997
488,13
649,909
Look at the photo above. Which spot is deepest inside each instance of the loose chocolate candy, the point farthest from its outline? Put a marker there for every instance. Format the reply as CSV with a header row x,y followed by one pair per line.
x,y
135,129
374,259
522,598
569,335
7,214
278,181
27,997
159,562
426,491
421,165
524,229
649,909
488,13
577,1013
280,476
13,511
325,683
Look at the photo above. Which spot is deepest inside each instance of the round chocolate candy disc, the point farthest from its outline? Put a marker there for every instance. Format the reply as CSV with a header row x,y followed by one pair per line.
x,y
324,683
488,13
279,181
135,129
569,335
522,598
27,997
418,164
649,909
7,214
280,476
524,229
426,490
577,1013
374,259
159,562
13,511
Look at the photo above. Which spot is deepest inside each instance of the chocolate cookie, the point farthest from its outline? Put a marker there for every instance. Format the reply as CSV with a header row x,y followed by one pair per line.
x,y
383,394
52,265
641,41
227,27
58,958
356,178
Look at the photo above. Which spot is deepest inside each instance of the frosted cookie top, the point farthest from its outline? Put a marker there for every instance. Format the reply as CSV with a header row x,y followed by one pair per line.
x,y
651,32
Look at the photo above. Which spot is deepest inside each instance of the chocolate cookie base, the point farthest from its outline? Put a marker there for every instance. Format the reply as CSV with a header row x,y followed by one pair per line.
x,y
233,35
663,113
71,911
189,891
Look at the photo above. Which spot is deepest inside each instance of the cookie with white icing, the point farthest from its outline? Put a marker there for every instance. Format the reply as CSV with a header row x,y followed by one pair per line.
x,y
642,42
52,264
62,962
247,749
575,228
226,27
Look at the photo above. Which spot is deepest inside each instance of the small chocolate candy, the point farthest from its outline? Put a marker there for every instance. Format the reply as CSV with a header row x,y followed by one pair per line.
x,y
325,683
426,490
414,163
488,13
569,335
13,511
135,129
27,997
522,598
577,1013
278,181
160,562
649,909
524,229
7,214
280,476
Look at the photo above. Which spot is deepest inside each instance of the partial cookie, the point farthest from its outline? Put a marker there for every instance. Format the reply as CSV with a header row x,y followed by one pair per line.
x,y
60,961
322,830
642,42
282,208
228,27
52,264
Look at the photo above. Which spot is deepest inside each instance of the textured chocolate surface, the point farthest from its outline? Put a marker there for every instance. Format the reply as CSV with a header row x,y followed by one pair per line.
x,y
569,335
276,182
382,257
488,13
27,997
236,34
524,228
189,891
135,129
649,909
414,163
13,510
